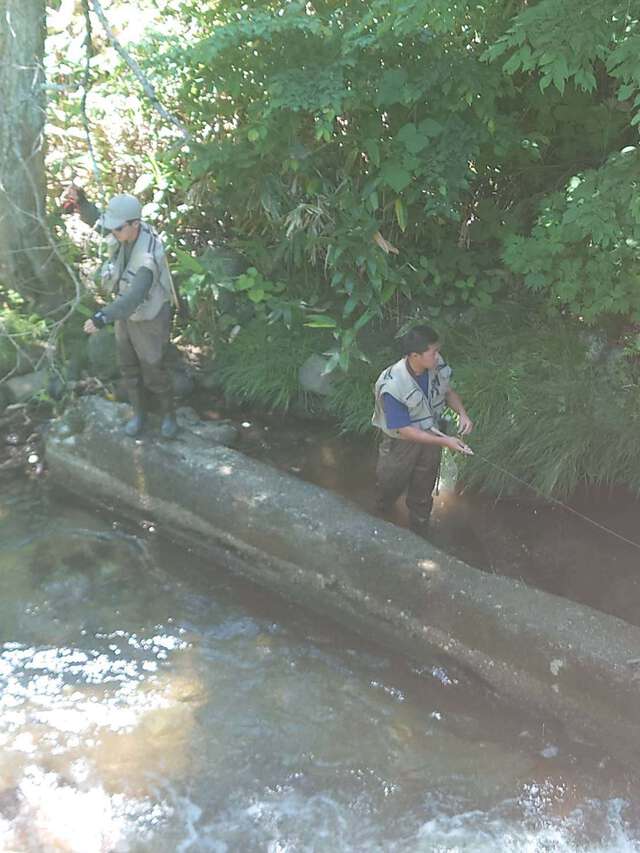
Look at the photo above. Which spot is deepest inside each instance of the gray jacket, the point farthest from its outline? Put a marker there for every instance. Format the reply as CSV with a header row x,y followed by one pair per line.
x,y
425,410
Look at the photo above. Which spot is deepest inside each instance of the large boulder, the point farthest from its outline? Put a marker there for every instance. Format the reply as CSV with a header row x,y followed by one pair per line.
x,y
312,376
101,351
547,654
223,263
23,388
18,359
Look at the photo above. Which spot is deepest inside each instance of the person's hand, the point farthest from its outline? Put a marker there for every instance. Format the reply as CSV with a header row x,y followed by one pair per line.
x,y
90,327
465,425
71,198
454,443
72,193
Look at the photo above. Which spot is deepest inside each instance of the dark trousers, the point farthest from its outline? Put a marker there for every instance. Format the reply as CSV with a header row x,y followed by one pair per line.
x,y
142,351
411,466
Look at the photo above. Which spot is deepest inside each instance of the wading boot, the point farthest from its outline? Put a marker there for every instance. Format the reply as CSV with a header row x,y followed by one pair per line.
x,y
419,526
134,427
169,425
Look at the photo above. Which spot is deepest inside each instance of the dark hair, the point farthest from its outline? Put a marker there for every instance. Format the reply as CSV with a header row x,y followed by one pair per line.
x,y
418,339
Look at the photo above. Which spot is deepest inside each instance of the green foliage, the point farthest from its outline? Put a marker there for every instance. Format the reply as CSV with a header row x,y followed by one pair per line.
x,y
581,245
367,160
260,365
373,157
343,143
552,404
605,38
585,247
21,334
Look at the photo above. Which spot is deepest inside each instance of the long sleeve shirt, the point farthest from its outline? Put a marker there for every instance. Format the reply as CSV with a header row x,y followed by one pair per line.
x,y
88,211
124,305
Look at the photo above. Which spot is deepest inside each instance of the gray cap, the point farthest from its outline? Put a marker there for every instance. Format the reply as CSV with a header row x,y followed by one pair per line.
x,y
120,209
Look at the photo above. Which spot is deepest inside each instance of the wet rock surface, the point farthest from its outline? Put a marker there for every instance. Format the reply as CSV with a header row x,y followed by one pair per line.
x,y
21,443
316,549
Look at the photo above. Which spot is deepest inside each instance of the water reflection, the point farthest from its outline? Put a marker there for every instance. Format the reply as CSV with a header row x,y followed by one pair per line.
x,y
543,545
148,703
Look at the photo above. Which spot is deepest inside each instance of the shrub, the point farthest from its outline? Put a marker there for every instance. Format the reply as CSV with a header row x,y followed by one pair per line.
x,y
260,365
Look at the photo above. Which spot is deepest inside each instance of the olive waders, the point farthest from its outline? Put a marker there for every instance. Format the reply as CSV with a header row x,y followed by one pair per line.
x,y
142,347
412,466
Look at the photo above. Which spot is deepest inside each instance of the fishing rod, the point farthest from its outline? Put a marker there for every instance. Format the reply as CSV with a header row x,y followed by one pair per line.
x,y
556,501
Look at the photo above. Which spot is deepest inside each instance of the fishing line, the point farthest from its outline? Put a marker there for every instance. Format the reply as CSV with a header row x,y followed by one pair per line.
x,y
558,502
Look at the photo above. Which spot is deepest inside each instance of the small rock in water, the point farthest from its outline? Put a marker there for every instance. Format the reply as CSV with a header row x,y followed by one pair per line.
x,y
440,673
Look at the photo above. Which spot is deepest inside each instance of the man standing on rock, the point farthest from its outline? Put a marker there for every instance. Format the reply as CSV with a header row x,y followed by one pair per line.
x,y
138,275
410,398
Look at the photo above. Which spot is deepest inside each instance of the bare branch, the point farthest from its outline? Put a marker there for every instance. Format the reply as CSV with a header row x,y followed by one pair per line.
x,y
86,85
70,305
137,71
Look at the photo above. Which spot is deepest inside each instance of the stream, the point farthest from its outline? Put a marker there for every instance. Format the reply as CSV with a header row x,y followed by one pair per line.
x,y
151,701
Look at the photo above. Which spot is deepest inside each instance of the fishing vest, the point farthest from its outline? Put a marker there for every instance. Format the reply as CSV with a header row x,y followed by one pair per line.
x,y
425,410
147,252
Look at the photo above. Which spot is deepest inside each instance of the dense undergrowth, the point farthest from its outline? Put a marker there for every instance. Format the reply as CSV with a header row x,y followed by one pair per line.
x,y
350,167
553,404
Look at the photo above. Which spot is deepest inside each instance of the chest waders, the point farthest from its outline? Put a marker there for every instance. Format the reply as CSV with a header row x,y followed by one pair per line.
x,y
409,465
142,340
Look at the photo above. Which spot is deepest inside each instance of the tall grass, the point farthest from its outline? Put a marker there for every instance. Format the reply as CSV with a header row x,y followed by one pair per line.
x,y
350,400
548,408
261,364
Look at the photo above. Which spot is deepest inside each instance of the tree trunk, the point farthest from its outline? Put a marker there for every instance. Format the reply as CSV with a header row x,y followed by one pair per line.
x,y
28,263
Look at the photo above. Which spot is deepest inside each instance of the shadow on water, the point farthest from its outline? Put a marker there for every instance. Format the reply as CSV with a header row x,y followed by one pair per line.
x,y
541,544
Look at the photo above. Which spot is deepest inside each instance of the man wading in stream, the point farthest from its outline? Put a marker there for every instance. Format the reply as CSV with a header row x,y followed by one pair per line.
x,y
410,398
138,275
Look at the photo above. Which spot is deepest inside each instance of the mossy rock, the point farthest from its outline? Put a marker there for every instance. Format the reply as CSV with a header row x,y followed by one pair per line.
x,y
25,387
76,354
223,263
20,362
101,351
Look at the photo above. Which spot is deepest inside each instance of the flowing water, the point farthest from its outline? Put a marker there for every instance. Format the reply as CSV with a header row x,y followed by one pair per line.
x,y
151,702
542,544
